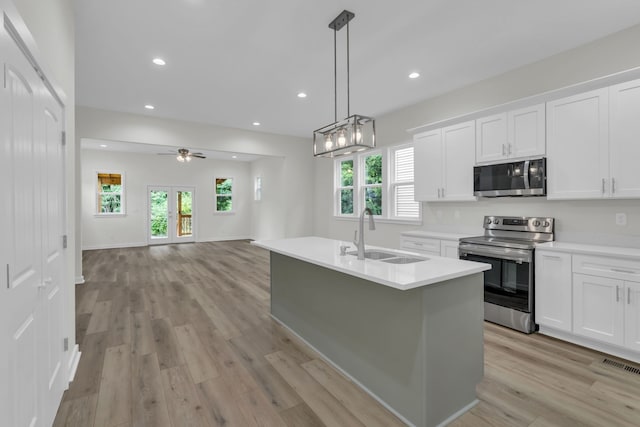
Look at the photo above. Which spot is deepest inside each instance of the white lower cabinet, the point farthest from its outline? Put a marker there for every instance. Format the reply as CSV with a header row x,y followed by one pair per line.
x,y
430,246
593,300
632,315
598,311
553,290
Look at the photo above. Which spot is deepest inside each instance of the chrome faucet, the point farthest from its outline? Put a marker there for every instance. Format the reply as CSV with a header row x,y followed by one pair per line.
x,y
358,239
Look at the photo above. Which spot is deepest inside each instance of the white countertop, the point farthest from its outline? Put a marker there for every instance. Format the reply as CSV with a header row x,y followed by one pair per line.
x,y
438,235
326,253
580,248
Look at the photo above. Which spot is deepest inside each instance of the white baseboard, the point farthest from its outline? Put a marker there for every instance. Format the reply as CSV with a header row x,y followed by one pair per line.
x,y
113,246
79,280
223,239
74,360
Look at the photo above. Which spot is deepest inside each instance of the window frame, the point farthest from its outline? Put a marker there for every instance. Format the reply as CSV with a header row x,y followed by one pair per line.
x,y
338,187
389,185
216,195
98,194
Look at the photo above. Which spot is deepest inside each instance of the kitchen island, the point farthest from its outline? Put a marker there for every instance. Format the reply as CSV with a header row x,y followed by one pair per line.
x,y
411,335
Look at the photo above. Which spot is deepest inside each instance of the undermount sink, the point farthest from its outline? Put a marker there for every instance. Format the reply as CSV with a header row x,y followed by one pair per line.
x,y
373,254
390,257
404,260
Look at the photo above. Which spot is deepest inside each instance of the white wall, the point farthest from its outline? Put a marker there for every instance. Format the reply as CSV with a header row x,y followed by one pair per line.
x,y
575,220
268,213
143,170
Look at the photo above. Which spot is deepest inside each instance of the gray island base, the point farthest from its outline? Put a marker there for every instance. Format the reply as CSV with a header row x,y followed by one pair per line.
x,y
418,351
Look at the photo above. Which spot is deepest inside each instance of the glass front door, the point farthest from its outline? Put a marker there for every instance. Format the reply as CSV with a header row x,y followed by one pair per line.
x,y
170,215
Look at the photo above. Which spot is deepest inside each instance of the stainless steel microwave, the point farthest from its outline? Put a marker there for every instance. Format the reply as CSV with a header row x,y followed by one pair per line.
x,y
522,178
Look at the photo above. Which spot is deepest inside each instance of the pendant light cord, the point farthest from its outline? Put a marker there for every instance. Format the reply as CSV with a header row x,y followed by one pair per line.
x,y
335,76
348,97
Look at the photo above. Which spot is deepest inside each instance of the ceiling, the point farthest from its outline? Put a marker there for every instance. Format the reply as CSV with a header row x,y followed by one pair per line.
x,y
232,63
120,146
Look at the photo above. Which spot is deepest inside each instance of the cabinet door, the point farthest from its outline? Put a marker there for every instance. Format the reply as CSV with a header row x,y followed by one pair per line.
x,y
632,315
526,132
598,308
577,146
624,144
428,165
458,143
449,248
553,290
491,142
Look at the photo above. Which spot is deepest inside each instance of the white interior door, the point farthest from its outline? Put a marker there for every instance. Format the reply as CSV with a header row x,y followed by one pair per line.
x,y
170,215
32,375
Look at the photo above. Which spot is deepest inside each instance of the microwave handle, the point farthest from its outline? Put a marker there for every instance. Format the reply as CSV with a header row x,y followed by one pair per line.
x,y
526,174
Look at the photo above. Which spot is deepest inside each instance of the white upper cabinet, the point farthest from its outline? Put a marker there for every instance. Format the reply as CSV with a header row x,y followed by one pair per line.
x,y
577,146
512,135
427,165
444,160
624,143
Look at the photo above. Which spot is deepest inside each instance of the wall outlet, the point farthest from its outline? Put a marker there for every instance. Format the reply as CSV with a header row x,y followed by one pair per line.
x,y
621,219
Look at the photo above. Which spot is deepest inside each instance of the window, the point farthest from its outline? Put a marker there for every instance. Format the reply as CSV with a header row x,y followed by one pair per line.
x,y
257,189
380,180
110,193
345,187
401,184
372,183
224,194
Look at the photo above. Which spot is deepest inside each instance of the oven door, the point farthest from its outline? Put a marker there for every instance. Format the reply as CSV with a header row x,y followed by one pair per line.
x,y
509,283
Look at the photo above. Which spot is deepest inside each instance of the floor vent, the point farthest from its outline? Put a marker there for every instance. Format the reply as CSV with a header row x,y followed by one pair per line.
x,y
624,366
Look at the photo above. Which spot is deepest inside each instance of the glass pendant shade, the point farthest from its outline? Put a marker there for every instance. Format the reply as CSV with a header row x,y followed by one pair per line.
x,y
355,133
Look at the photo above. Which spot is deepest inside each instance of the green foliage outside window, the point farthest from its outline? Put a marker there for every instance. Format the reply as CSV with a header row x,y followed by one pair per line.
x,y
346,180
373,175
224,190
159,213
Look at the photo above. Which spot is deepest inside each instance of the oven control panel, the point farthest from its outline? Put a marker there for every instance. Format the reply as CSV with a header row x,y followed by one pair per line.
x,y
519,223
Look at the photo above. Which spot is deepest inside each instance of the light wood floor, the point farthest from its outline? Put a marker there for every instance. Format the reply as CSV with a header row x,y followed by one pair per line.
x,y
180,335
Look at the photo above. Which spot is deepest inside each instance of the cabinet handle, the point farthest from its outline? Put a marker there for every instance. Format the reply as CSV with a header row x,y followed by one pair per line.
x,y
8,278
504,151
551,256
617,293
613,185
443,193
603,184
509,149
628,295
620,270
438,193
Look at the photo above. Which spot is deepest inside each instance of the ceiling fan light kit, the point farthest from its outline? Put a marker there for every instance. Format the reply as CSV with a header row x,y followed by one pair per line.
x,y
356,132
184,155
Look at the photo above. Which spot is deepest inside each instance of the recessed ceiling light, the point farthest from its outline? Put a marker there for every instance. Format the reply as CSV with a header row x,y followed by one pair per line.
x,y
103,145
234,157
159,61
414,75
302,95
256,123
149,107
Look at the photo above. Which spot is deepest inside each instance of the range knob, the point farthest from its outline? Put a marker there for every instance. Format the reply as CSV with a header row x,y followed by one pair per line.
x,y
496,221
546,223
536,223
488,220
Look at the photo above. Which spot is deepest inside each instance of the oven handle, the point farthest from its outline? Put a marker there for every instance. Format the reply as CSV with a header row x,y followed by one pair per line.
x,y
517,255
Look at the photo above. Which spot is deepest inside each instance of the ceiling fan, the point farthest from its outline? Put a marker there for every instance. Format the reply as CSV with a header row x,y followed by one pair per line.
x,y
184,155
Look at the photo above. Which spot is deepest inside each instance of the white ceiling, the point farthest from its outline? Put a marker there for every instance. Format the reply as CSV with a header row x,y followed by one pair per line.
x,y
231,63
120,146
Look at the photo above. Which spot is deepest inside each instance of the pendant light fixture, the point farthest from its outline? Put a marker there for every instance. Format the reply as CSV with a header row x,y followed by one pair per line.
x,y
355,133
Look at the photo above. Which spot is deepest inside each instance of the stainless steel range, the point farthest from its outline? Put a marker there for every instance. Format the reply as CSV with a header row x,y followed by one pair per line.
x,y
508,245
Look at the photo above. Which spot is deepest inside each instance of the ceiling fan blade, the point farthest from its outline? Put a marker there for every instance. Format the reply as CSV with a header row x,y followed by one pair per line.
x,y
167,154
200,156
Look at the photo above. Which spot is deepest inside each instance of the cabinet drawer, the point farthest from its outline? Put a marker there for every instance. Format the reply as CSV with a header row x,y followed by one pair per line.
x,y
426,245
616,268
